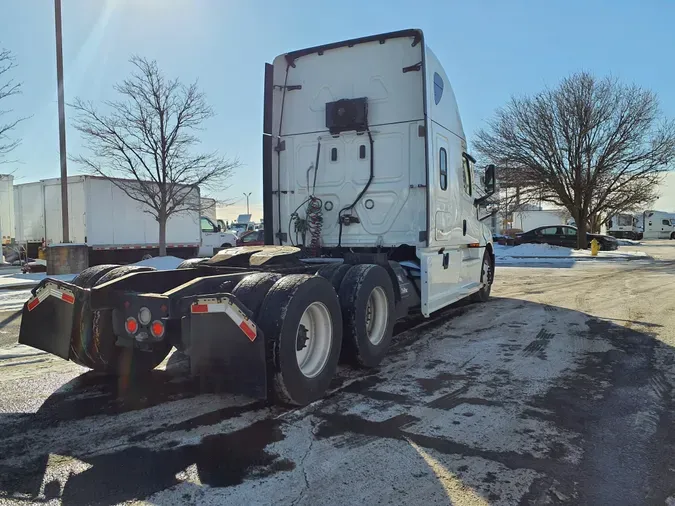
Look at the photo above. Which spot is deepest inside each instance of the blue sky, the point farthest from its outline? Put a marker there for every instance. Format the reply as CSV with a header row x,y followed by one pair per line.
x,y
490,50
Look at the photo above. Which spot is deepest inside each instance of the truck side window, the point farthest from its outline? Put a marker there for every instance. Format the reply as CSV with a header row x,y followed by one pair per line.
x,y
467,170
443,164
666,222
207,226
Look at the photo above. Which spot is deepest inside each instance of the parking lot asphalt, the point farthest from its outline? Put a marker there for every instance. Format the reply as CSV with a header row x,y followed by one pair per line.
x,y
556,391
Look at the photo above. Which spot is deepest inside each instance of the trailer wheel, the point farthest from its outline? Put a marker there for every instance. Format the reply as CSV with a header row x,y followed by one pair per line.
x,y
334,273
95,346
88,277
191,263
367,301
301,320
487,272
251,290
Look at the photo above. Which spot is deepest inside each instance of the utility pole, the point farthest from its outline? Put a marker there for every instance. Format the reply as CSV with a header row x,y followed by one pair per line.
x,y
62,121
247,195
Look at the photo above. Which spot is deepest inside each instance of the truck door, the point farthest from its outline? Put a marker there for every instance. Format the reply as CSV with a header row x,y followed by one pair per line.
x,y
665,229
472,257
210,237
441,261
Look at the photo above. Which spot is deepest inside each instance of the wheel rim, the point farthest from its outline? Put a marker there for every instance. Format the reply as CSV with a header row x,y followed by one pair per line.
x,y
313,339
487,274
376,315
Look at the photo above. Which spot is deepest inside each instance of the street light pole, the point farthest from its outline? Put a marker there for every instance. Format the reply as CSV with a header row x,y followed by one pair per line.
x,y
62,121
247,195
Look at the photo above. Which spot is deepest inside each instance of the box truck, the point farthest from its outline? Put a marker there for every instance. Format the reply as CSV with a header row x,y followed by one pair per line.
x,y
116,228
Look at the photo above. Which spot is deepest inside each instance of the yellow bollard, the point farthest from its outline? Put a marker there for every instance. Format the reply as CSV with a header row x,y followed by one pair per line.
x,y
595,247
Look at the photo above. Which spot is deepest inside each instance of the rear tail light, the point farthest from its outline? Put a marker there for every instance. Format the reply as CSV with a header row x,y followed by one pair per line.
x,y
157,328
131,325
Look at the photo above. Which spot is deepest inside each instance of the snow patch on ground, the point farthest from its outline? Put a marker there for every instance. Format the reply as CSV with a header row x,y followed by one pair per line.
x,y
559,253
161,263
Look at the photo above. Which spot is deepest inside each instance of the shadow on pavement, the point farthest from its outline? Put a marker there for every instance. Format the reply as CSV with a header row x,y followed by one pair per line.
x,y
618,402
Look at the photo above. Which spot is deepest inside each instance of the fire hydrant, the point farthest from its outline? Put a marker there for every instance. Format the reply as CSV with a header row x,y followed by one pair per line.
x,y
595,247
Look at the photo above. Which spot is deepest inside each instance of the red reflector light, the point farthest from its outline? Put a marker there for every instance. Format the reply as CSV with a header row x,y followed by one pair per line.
x,y
250,333
157,328
68,298
200,308
32,304
131,325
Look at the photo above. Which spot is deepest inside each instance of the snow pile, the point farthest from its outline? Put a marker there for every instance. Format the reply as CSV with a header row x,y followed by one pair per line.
x,y
13,300
628,242
549,253
533,250
161,263
21,280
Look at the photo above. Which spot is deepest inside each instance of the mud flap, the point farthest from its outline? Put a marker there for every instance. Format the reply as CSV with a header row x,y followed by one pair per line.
x,y
225,344
48,317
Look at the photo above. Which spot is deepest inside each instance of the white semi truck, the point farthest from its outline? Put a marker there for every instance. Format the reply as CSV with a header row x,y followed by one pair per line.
x,y
658,225
625,226
371,215
116,228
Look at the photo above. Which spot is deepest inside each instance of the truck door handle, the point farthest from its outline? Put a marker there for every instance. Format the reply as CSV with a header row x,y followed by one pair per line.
x,y
464,227
446,260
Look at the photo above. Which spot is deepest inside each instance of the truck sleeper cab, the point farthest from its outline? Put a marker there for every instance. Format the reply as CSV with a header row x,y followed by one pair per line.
x,y
372,214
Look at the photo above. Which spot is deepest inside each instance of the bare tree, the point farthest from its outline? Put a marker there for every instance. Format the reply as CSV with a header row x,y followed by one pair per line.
x,y
8,88
145,143
589,145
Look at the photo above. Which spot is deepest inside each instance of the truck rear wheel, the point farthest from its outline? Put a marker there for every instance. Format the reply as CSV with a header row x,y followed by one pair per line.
x,y
487,272
95,348
252,290
191,263
334,273
88,277
301,320
367,301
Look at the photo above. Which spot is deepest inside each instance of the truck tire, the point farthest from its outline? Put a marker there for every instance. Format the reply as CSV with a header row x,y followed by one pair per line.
x,y
367,301
226,245
487,270
191,263
251,290
95,348
334,273
672,236
88,277
301,311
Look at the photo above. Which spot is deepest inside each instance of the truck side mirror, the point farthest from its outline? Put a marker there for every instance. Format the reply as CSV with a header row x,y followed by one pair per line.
x,y
489,185
489,179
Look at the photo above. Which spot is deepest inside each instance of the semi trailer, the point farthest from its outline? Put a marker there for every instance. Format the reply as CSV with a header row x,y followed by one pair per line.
x,y
372,215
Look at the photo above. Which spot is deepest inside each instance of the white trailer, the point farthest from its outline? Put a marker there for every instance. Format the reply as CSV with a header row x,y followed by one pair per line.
x,y
624,226
528,220
6,209
658,225
116,228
